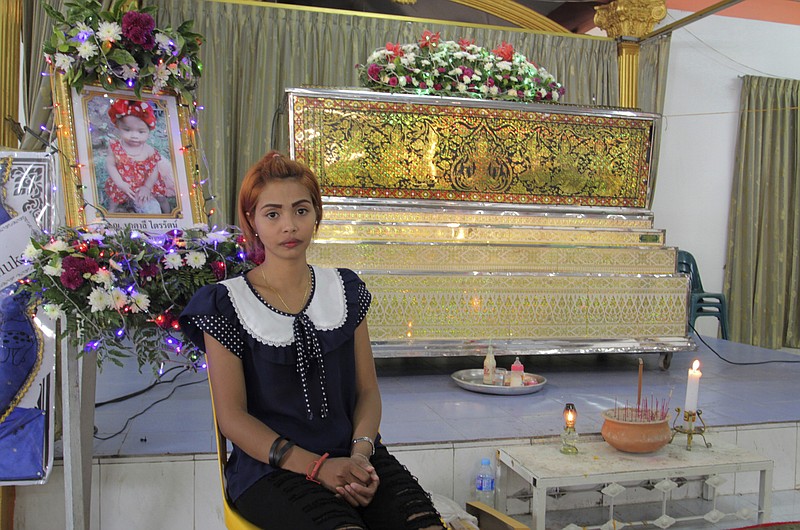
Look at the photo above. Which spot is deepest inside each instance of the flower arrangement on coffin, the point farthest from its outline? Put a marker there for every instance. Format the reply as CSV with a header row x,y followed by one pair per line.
x,y
122,48
122,290
449,68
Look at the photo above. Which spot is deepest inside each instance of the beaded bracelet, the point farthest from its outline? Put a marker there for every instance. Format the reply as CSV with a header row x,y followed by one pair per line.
x,y
273,460
314,468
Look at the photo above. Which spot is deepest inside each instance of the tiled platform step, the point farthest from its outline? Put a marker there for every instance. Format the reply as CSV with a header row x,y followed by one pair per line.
x,y
419,314
488,257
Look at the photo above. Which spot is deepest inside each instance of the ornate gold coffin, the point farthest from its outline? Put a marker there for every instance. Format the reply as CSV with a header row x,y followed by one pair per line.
x,y
474,222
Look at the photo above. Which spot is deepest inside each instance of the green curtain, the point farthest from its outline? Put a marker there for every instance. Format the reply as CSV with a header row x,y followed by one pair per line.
x,y
255,51
653,62
762,279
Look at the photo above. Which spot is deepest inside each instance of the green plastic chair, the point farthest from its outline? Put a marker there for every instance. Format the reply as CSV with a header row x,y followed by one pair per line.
x,y
703,303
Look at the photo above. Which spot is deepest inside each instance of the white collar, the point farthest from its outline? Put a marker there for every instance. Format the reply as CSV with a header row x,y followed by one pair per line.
x,y
327,309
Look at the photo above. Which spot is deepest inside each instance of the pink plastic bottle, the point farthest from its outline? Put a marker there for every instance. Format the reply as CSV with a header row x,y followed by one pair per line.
x,y
517,373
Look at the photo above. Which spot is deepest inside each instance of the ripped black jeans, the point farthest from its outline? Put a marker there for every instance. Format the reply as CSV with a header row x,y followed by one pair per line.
x,y
286,500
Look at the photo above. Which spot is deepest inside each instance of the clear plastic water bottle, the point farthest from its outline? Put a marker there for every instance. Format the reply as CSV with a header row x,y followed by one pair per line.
x,y
484,483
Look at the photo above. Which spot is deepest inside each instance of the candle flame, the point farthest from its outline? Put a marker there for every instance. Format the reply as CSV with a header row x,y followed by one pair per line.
x,y
695,364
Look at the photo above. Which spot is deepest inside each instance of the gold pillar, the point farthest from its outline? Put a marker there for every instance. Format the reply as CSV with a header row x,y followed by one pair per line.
x,y
628,21
10,28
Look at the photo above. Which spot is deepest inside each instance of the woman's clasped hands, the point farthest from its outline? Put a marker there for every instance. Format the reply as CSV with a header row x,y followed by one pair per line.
x,y
353,478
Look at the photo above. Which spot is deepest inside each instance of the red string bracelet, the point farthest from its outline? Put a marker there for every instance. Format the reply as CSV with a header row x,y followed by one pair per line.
x,y
314,468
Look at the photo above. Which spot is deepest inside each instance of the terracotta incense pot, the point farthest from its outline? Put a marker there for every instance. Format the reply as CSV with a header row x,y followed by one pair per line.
x,y
626,430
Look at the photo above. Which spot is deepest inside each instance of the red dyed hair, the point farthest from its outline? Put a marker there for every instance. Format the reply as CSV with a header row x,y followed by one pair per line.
x,y
274,166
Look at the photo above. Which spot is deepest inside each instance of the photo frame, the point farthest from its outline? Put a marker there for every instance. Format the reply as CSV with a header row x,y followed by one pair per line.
x,y
130,160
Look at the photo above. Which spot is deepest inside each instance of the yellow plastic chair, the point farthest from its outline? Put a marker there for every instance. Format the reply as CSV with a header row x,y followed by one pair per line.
x,y
233,520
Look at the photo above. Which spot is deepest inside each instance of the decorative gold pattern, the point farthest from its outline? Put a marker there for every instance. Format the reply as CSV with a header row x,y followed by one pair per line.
x,y
492,258
334,230
520,219
629,18
525,307
451,151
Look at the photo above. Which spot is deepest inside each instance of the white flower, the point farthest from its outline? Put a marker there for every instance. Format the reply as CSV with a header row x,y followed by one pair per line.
x,y
114,265
484,89
555,95
129,72
504,65
52,310
63,61
99,299
139,302
162,74
425,62
31,253
391,66
466,79
511,92
212,238
401,80
164,42
103,276
87,50
118,298
173,261
195,259
92,236
53,268
494,90
58,245
462,87
109,31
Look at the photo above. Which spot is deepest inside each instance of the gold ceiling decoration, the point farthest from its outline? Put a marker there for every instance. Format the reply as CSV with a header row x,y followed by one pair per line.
x,y
630,18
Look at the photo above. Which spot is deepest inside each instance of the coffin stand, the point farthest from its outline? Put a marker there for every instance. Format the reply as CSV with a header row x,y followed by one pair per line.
x,y
473,222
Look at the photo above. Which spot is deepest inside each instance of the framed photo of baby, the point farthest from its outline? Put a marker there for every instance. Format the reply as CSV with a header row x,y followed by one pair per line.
x,y
132,159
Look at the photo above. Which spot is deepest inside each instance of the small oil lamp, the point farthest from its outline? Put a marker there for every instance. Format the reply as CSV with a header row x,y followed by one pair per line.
x,y
569,437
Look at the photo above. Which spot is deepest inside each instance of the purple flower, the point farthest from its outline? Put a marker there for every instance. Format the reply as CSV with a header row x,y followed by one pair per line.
x,y
423,85
437,86
138,28
393,81
374,71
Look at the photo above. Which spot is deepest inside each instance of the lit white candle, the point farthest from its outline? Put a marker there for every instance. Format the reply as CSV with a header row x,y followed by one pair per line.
x,y
692,387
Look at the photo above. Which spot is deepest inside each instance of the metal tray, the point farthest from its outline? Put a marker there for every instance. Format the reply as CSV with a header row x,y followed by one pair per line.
x,y
472,379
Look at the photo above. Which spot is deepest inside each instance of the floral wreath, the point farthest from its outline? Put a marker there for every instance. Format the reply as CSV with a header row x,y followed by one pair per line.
x,y
122,48
449,68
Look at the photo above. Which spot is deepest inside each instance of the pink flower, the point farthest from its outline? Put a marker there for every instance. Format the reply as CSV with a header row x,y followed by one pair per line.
x,y
393,81
437,86
423,85
464,43
374,71
138,28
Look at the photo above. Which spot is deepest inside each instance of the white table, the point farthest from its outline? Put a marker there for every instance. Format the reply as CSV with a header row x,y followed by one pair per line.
x,y
543,466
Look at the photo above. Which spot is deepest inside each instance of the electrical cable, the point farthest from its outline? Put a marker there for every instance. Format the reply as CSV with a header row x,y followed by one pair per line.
x,y
143,390
738,363
151,405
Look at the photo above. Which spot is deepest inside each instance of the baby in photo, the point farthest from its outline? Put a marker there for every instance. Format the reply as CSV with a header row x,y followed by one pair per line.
x,y
140,180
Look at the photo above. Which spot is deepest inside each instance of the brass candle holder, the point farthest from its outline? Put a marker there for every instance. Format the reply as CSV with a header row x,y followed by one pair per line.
x,y
689,427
